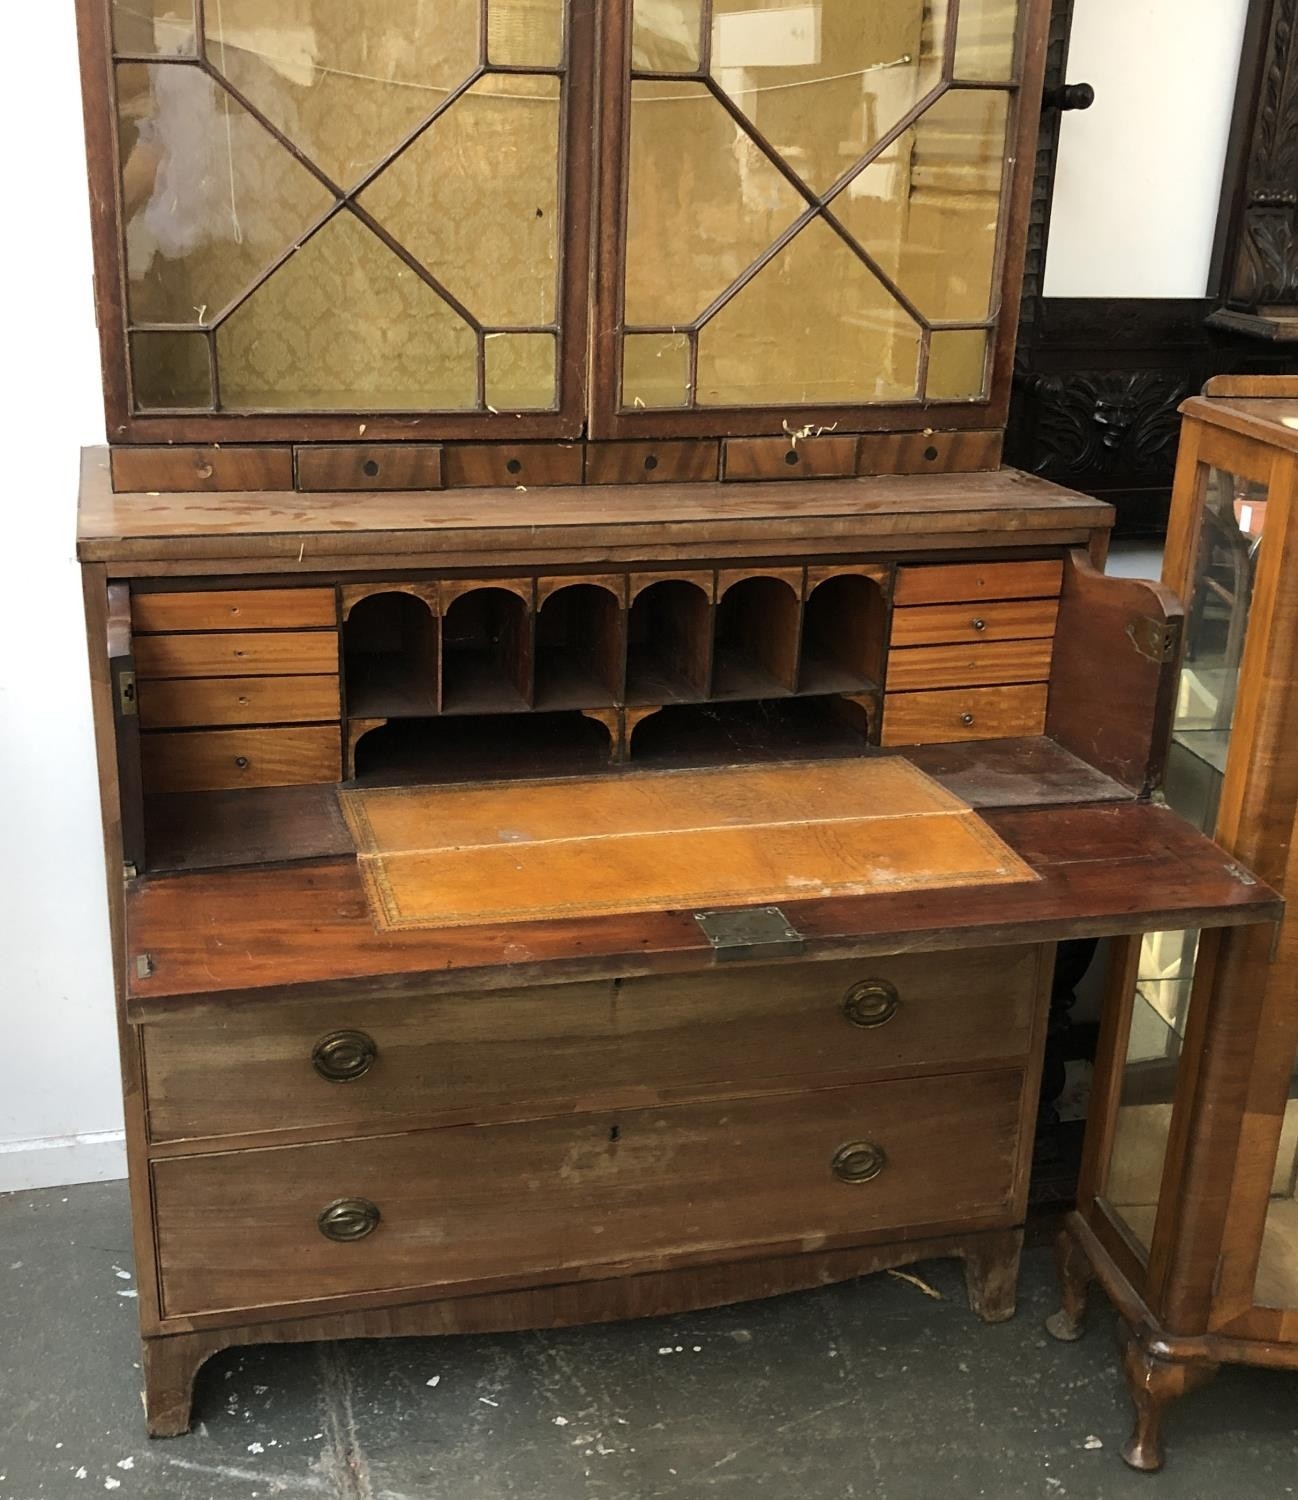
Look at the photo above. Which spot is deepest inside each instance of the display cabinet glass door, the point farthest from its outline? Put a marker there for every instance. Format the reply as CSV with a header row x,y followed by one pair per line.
x,y
331,207
1232,518
832,180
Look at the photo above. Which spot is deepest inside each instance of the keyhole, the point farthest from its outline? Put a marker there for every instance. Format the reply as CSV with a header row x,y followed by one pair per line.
x,y
615,1135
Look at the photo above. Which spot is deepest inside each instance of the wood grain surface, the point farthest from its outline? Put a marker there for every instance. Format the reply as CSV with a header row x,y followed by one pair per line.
x,y
446,857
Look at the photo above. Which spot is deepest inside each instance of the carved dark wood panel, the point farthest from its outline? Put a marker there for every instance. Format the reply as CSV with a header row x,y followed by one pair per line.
x,y
1098,380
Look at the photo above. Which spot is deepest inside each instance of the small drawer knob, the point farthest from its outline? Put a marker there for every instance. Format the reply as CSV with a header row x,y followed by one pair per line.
x,y
344,1055
871,1002
978,624
241,761
858,1161
966,719
348,1219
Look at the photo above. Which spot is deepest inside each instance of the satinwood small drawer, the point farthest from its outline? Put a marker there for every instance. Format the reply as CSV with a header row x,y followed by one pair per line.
x,y
946,583
266,653
1006,620
193,702
566,1195
219,759
977,664
235,609
366,1063
984,713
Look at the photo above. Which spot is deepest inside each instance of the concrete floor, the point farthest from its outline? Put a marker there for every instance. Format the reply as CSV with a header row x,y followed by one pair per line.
x,y
873,1389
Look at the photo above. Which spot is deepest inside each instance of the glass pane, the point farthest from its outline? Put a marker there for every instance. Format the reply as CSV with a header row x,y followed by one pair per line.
x,y
154,28
1216,622
985,40
525,33
345,83
1163,984
520,371
957,362
928,208
476,199
1215,625
210,198
171,371
822,82
655,370
665,36
815,324
1277,1273
699,185
345,325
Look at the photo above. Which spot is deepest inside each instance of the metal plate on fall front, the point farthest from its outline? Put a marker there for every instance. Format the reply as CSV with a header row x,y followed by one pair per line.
x,y
750,932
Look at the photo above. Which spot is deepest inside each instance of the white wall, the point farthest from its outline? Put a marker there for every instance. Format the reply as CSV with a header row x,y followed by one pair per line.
x,y
1139,172
1123,225
60,1110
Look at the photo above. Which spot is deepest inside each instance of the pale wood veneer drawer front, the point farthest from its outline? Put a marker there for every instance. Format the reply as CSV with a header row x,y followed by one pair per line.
x,y
976,665
272,653
946,583
184,703
548,1199
368,1063
235,609
1007,620
216,760
987,713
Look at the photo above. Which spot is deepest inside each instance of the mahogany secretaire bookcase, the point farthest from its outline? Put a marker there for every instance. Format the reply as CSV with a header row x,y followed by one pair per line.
x,y
596,754
1188,1204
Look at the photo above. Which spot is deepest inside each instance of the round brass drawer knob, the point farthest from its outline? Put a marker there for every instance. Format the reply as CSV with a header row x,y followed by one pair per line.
x,y
872,1002
348,1219
343,1056
858,1161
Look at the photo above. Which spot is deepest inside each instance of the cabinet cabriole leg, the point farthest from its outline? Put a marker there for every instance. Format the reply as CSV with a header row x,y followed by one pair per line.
x,y
1154,1384
1073,1267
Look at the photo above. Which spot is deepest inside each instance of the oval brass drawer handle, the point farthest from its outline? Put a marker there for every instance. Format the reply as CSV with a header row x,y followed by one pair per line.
x,y
344,1056
872,1002
858,1161
348,1219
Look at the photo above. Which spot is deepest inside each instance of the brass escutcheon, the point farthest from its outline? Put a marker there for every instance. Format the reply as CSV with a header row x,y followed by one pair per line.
x,y
872,1002
348,1219
858,1161
343,1056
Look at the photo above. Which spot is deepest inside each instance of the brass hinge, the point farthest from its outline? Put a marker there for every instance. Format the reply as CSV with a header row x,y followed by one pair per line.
x,y
1156,639
127,702
144,966
130,871
749,932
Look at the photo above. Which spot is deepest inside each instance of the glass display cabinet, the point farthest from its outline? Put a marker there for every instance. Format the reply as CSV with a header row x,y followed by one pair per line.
x,y
1188,1206
596,754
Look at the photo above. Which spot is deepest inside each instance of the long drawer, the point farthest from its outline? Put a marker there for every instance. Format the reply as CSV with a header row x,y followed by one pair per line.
x,y
353,1064
546,1199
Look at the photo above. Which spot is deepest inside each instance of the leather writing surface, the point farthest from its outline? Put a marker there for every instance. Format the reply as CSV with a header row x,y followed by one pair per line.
x,y
521,852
